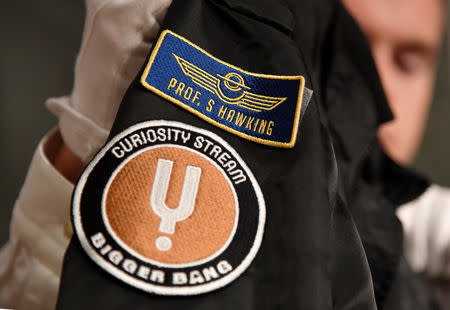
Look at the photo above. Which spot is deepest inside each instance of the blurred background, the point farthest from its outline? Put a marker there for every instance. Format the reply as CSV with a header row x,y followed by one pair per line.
x,y
37,56
39,47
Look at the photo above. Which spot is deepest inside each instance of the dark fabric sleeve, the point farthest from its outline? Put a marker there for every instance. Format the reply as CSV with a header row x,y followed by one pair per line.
x,y
311,256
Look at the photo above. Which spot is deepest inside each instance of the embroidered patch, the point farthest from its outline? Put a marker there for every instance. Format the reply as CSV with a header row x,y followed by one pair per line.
x,y
170,209
261,108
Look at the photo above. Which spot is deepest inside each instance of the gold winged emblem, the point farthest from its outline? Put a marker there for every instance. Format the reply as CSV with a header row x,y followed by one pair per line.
x,y
235,86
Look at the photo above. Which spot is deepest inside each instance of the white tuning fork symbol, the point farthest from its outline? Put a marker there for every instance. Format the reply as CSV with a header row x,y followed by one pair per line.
x,y
169,217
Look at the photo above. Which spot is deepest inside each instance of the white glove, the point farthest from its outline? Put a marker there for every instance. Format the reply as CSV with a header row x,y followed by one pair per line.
x,y
426,223
118,35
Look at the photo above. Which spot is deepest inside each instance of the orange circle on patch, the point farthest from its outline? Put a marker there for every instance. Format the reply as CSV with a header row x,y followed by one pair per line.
x,y
205,232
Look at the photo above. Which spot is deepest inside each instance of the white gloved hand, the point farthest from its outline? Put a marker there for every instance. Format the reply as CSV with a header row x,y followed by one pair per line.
x,y
426,224
117,37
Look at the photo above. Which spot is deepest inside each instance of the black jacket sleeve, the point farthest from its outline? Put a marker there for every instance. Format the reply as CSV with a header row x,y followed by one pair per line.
x,y
311,256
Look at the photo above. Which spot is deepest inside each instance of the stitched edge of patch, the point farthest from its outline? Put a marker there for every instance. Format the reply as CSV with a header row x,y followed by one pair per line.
x,y
289,144
140,284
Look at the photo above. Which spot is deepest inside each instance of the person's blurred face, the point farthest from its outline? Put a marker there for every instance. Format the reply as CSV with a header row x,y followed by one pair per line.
x,y
405,37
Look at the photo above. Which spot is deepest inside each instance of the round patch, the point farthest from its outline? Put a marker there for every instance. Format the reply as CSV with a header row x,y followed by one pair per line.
x,y
170,209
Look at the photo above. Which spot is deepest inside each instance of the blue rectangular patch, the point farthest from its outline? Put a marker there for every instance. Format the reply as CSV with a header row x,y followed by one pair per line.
x,y
258,107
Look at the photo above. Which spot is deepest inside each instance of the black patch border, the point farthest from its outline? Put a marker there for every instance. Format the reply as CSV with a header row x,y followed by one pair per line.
x,y
87,215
